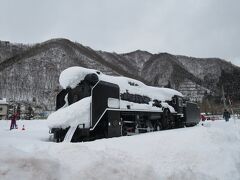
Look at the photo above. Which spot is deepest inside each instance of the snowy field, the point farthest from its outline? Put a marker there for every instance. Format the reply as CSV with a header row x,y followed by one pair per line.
x,y
211,151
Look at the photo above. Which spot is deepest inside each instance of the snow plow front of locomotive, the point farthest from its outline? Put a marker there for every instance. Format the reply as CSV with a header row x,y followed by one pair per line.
x,y
60,134
67,97
57,134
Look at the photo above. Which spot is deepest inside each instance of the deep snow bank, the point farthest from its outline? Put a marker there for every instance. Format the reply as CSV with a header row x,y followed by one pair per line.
x,y
207,152
76,113
19,165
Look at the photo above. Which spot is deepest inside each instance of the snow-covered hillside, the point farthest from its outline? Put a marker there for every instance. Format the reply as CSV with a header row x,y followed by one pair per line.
x,y
208,152
29,74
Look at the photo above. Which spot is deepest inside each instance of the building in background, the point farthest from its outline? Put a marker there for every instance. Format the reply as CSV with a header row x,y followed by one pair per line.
x,y
194,91
3,109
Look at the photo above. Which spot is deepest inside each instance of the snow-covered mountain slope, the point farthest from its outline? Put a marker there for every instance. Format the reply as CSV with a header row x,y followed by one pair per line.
x,y
139,58
202,67
164,67
209,70
35,72
121,61
31,72
207,152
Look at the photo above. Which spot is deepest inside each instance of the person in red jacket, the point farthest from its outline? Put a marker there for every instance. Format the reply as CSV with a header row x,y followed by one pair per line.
x,y
13,121
203,118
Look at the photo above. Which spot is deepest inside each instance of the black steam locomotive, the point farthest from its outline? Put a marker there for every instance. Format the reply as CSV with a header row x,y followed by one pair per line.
x,y
120,106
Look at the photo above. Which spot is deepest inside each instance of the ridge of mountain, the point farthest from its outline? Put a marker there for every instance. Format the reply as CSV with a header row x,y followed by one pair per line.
x,y
30,73
163,67
209,70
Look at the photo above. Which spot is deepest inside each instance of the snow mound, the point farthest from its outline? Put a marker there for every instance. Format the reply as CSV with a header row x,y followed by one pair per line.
x,y
107,164
70,77
16,164
207,152
73,115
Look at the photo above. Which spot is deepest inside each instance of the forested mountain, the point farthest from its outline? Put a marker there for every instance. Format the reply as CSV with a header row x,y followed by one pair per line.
x,y
29,74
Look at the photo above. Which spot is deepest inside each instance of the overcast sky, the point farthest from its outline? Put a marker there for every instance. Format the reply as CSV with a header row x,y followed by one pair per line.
x,y
200,28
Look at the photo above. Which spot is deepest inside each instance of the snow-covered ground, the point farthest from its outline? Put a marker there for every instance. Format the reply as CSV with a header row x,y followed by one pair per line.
x,y
207,152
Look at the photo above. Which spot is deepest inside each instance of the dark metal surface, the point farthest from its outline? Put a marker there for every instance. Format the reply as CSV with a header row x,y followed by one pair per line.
x,y
114,124
100,94
192,113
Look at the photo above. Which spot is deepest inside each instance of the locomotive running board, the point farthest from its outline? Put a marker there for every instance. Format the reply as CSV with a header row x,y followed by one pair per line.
x,y
130,110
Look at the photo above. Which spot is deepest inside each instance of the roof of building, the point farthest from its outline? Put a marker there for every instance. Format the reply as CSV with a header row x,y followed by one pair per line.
x,y
3,101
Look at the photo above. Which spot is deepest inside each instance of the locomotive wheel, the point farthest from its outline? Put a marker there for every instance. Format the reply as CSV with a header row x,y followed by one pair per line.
x,y
157,126
179,123
166,117
124,130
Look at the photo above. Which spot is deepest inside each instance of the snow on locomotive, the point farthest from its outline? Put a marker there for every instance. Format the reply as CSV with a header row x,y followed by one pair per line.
x,y
93,105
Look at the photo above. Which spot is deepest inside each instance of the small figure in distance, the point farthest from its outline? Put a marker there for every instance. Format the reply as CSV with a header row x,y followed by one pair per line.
x,y
203,118
226,115
13,121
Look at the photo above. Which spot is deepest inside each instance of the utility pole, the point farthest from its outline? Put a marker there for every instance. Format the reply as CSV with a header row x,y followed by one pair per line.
x,y
223,98
230,102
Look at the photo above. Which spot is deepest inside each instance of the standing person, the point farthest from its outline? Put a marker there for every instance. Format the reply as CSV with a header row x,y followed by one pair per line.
x,y
13,121
226,115
202,117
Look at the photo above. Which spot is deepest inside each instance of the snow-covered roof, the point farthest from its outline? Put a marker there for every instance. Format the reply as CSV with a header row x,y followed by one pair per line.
x,y
3,101
70,77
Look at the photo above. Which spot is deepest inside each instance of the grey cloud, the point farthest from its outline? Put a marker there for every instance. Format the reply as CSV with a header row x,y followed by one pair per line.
x,y
201,28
